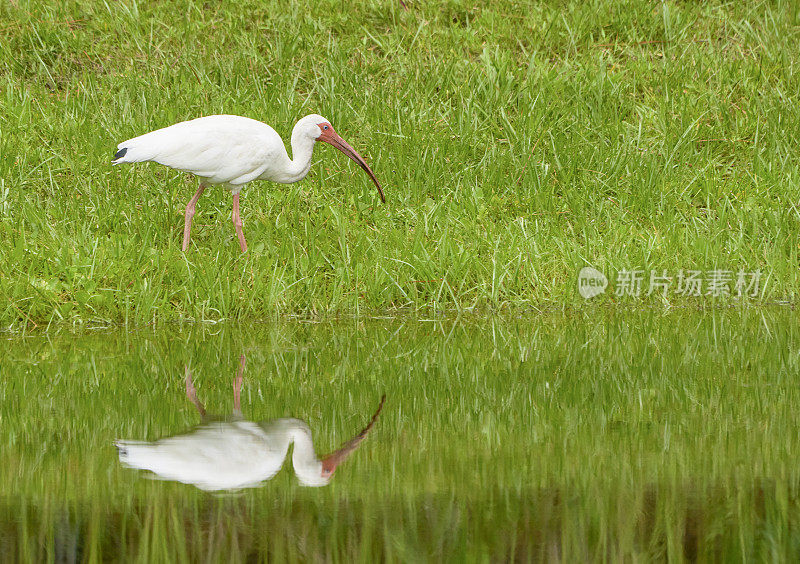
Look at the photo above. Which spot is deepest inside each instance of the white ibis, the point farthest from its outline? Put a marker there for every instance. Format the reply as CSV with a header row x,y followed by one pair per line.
x,y
232,151
236,453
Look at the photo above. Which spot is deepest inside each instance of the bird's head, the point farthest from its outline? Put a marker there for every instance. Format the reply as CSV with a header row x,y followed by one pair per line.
x,y
324,469
320,129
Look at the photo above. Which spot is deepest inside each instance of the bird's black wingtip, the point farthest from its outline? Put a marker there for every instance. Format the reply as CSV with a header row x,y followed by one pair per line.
x,y
121,449
119,154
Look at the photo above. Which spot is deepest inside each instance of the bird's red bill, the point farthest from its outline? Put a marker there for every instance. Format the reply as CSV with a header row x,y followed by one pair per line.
x,y
334,459
332,138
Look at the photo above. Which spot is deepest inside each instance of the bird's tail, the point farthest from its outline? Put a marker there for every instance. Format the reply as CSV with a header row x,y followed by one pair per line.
x,y
136,150
129,153
119,156
134,454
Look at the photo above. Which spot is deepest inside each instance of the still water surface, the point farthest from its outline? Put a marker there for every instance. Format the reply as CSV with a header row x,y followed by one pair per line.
x,y
590,435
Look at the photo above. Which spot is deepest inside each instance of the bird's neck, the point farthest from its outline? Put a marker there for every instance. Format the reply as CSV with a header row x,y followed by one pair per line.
x,y
307,466
302,151
303,455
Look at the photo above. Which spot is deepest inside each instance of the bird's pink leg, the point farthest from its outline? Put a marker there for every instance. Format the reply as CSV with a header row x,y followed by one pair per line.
x,y
237,386
187,220
192,395
237,222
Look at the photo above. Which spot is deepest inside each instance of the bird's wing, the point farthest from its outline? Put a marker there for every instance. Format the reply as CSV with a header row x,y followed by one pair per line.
x,y
221,149
215,456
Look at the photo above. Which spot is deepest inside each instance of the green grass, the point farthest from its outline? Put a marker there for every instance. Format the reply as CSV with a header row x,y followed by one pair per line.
x,y
636,436
517,142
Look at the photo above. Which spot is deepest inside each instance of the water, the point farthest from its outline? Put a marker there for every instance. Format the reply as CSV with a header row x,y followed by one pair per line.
x,y
589,435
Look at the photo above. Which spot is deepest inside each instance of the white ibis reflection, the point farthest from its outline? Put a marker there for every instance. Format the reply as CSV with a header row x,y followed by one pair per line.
x,y
235,453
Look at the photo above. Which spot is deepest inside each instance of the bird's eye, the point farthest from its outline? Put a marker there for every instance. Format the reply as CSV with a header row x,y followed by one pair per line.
x,y
325,128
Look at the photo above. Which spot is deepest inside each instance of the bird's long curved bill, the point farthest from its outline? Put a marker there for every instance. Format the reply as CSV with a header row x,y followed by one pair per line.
x,y
345,148
334,459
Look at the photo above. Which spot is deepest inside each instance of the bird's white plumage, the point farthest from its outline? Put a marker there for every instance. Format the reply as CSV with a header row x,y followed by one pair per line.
x,y
228,455
226,149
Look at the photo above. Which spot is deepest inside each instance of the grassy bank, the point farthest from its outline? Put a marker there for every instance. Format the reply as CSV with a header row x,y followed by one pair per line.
x,y
517,142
